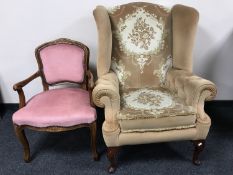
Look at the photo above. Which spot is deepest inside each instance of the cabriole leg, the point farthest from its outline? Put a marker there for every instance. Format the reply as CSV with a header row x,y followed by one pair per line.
x,y
19,131
199,146
112,156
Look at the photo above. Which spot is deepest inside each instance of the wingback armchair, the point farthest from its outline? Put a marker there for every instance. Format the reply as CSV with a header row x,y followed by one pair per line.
x,y
145,81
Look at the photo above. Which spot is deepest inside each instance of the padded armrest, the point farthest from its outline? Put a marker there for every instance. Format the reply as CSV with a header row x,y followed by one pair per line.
x,y
191,87
106,95
107,86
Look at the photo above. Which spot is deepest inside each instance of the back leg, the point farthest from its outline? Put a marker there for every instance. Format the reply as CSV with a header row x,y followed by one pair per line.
x,y
93,141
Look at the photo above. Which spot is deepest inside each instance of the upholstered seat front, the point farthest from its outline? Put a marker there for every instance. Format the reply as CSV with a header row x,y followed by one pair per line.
x,y
58,107
154,109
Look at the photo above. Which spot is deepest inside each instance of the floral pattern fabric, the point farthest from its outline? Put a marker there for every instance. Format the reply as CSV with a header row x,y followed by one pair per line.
x,y
120,71
152,103
142,34
141,43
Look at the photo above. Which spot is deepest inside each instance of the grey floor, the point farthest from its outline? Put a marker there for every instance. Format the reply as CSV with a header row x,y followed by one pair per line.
x,y
69,152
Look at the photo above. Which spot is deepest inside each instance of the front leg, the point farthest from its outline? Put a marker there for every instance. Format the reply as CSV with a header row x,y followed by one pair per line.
x,y
199,146
19,131
112,156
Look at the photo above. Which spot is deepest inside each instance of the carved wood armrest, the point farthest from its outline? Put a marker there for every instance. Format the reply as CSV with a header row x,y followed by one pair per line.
x,y
90,80
19,88
90,85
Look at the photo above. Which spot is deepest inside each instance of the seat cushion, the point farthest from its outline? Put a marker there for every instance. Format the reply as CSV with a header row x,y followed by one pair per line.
x,y
59,107
154,109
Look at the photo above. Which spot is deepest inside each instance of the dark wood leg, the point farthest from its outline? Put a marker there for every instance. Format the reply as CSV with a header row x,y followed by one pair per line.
x,y
22,138
112,156
199,146
93,141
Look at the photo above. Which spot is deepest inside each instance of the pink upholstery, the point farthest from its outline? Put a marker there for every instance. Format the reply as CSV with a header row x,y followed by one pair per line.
x,y
63,62
59,107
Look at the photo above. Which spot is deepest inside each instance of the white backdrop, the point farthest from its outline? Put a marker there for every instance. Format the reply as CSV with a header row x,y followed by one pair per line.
x,y
25,24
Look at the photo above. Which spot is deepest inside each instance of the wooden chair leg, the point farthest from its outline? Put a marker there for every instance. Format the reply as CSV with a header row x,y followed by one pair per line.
x,y
199,146
93,141
22,138
112,157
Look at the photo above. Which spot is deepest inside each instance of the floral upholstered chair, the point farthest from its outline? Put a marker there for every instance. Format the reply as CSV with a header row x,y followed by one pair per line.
x,y
60,109
145,80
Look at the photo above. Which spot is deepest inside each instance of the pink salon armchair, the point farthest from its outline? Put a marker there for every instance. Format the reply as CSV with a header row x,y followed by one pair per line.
x,y
61,109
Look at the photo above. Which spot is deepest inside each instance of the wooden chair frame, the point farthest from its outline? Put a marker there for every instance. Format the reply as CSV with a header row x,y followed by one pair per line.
x,y
87,84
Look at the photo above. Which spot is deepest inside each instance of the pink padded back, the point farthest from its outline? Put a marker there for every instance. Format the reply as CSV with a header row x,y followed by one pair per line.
x,y
63,62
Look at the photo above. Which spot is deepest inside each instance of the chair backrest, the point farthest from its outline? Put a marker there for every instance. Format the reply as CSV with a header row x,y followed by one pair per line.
x,y
63,60
141,44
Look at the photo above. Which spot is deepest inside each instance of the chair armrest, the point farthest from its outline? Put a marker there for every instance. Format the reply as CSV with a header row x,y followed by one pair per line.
x,y
19,88
90,80
106,95
193,89
23,83
106,86
90,85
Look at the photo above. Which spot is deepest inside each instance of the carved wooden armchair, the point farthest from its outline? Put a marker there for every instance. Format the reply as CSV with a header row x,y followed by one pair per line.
x,y
145,81
61,109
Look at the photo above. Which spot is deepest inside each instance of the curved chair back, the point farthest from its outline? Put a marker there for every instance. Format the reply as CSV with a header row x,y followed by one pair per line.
x,y
63,60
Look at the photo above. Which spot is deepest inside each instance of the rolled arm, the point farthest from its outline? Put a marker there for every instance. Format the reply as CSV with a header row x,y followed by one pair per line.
x,y
106,95
19,88
107,86
193,89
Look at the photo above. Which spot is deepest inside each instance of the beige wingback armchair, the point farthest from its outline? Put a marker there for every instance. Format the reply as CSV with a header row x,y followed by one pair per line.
x,y
145,80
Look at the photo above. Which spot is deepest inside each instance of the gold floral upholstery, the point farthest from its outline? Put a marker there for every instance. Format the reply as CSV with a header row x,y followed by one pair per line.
x,y
157,108
145,81
152,103
141,44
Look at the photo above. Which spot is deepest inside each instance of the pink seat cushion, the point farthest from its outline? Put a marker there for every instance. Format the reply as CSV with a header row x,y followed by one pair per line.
x,y
63,62
59,107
